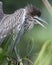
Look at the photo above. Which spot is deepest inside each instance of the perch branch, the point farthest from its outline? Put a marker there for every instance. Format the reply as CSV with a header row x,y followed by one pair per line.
x,y
47,5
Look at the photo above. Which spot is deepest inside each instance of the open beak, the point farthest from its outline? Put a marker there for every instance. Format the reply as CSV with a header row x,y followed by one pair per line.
x,y
40,21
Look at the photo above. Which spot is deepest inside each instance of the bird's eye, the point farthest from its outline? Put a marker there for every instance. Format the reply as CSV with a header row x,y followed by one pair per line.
x,y
39,14
32,14
35,12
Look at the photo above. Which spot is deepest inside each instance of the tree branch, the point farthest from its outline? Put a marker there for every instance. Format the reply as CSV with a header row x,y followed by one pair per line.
x,y
47,5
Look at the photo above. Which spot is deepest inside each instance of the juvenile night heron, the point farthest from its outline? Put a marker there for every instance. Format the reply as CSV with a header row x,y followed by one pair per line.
x,y
21,20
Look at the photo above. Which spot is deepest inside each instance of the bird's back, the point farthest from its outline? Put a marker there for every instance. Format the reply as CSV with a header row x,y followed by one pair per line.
x,y
11,22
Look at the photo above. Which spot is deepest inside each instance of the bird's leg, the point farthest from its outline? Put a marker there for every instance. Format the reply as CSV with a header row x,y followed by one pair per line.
x,y
16,41
14,46
18,57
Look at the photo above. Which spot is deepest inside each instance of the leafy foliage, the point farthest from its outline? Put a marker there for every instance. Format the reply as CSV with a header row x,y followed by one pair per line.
x,y
45,55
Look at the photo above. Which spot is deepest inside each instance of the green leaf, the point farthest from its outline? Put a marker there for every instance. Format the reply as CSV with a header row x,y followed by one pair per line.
x,y
45,55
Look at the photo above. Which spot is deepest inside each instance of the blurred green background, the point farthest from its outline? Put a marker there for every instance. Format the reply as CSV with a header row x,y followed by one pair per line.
x,y
32,41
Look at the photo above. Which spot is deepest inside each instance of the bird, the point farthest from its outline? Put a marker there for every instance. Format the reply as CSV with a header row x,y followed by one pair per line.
x,y
21,20
28,15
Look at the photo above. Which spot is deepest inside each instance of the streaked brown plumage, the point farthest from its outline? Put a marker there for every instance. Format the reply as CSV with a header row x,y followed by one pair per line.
x,y
21,20
13,22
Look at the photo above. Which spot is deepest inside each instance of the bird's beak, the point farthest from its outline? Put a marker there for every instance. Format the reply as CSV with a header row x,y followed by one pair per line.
x,y
40,21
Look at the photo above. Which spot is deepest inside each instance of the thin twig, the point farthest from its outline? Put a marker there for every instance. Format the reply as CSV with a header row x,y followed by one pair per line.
x,y
47,5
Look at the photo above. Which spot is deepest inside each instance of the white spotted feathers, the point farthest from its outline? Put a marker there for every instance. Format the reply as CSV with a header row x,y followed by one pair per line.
x,y
11,22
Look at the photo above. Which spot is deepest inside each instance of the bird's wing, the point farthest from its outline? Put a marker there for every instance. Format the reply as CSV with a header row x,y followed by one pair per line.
x,y
21,20
10,22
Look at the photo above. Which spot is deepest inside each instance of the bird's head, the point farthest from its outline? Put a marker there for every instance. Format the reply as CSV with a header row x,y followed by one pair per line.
x,y
33,17
32,11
